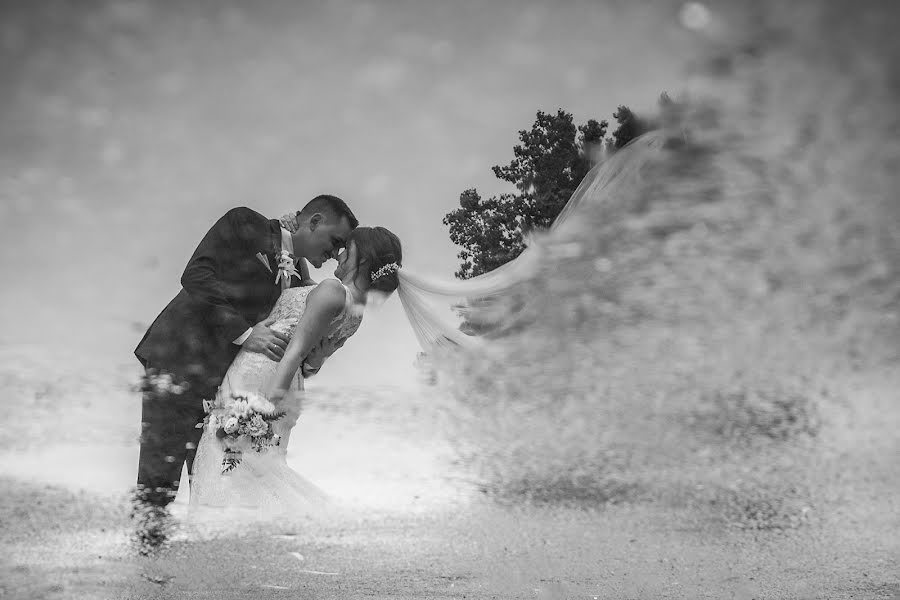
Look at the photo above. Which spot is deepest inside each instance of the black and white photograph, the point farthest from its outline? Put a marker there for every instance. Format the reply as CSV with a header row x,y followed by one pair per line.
x,y
498,299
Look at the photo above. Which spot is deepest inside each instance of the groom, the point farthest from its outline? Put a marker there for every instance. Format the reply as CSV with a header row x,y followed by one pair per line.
x,y
229,288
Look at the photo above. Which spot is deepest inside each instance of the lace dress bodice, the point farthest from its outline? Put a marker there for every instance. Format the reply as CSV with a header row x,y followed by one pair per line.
x,y
251,370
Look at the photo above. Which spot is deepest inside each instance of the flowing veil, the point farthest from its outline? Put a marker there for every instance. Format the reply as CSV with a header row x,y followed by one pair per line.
x,y
455,314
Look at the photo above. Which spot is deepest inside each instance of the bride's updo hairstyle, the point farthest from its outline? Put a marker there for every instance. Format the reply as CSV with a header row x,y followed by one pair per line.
x,y
381,251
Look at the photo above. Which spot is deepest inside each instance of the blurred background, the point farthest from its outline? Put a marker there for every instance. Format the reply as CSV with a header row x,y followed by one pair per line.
x,y
718,348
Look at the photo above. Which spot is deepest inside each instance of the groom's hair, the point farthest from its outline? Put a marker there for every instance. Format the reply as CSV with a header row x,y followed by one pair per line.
x,y
332,206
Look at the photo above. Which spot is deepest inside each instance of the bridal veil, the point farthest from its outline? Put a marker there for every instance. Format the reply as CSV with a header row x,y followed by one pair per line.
x,y
451,314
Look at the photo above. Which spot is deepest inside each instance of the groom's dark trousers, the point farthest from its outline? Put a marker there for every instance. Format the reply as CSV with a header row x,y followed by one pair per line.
x,y
169,437
226,289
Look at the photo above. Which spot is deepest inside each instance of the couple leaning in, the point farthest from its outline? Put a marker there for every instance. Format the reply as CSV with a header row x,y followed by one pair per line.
x,y
249,320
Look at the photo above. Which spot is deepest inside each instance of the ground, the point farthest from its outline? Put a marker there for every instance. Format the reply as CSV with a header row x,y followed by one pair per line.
x,y
416,535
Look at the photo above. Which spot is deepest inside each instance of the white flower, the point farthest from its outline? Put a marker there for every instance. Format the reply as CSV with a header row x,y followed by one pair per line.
x,y
285,260
286,266
231,425
257,426
240,408
260,404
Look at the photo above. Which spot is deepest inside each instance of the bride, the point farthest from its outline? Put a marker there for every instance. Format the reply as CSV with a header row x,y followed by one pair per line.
x,y
314,317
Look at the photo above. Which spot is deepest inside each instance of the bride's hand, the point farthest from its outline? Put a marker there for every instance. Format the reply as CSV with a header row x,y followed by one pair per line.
x,y
289,222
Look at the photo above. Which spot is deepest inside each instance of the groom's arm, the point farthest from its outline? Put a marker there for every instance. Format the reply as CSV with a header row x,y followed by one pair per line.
x,y
202,279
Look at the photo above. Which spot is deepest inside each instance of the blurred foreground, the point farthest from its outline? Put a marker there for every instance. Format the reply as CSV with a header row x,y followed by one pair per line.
x,y
405,534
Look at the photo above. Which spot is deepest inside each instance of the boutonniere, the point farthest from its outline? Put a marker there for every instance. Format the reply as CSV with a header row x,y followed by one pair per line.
x,y
287,268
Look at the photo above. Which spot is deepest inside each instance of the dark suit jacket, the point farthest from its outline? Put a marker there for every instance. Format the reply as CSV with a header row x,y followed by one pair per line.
x,y
226,289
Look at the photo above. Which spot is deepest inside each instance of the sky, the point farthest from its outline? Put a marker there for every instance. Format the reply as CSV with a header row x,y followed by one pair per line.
x,y
129,127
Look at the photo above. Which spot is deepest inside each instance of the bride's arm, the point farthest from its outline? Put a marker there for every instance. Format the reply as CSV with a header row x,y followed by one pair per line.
x,y
323,304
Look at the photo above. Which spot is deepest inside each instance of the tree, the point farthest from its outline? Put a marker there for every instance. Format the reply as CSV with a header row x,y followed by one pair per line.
x,y
547,167
489,231
632,126
552,159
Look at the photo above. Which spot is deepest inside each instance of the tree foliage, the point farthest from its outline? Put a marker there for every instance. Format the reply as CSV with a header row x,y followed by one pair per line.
x,y
549,163
547,166
632,125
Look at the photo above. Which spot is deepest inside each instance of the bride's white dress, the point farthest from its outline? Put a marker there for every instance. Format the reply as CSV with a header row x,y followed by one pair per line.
x,y
263,483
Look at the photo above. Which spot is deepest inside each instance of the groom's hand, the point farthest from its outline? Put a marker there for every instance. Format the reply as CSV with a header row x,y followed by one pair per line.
x,y
266,341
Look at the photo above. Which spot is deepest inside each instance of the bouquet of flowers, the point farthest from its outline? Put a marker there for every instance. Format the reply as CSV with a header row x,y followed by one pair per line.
x,y
244,423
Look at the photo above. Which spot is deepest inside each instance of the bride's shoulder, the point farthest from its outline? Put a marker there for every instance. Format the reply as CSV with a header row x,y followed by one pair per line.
x,y
330,293
331,285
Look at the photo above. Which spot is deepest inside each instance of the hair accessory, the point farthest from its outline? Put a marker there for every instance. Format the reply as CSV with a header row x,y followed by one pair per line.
x,y
385,270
